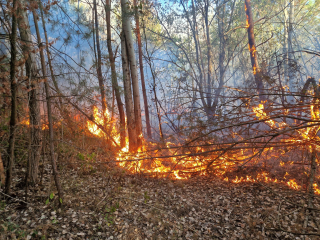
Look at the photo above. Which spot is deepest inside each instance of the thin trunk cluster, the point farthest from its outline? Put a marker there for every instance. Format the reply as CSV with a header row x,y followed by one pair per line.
x,y
130,78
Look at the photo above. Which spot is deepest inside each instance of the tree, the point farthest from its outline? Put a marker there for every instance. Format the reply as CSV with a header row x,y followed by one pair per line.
x,y
99,71
132,134
129,56
33,95
253,52
114,80
49,112
13,87
143,85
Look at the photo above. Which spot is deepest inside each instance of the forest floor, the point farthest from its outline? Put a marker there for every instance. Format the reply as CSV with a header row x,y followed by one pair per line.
x,y
106,203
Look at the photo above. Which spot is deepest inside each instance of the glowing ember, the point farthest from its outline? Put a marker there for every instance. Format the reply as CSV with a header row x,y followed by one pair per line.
x,y
292,183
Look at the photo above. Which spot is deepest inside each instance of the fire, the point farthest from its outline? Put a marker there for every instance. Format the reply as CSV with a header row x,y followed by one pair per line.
x,y
175,161
292,183
26,122
99,118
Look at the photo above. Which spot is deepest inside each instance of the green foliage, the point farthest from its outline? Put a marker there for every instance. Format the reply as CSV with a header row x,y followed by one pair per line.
x,y
146,197
54,220
50,198
109,216
80,156
13,228
2,205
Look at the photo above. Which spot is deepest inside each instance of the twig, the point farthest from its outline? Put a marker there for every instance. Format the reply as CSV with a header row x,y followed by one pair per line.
x,y
19,200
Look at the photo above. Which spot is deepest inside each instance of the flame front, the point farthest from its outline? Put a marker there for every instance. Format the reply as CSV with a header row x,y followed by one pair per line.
x,y
180,162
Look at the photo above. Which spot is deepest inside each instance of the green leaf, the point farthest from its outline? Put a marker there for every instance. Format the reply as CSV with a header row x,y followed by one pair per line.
x,y
47,201
51,196
60,199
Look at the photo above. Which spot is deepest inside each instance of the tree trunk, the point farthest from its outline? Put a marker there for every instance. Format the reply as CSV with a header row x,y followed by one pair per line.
x,y
132,134
154,82
144,92
13,40
290,51
114,80
253,52
51,136
199,59
99,71
61,105
209,53
126,28
34,108
222,55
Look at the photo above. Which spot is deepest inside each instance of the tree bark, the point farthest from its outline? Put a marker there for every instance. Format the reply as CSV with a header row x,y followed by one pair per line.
x,y
253,52
49,112
126,28
99,71
114,80
132,134
143,85
13,40
290,48
33,95
209,53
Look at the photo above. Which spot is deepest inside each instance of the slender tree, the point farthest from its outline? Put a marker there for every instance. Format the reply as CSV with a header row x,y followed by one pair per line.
x,y
130,55
49,112
13,86
253,52
132,134
114,80
143,85
290,49
33,95
99,71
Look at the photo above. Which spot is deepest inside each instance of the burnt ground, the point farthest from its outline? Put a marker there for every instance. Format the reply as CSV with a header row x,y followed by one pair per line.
x,y
106,203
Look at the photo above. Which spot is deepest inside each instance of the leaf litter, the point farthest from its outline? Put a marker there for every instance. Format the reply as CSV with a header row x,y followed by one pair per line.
x,y
110,204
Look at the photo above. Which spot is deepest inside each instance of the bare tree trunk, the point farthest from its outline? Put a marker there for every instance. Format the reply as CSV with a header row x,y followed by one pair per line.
x,y
49,112
253,51
126,27
290,50
209,53
154,82
132,135
94,36
115,85
99,71
144,92
222,55
13,40
62,109
33,95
